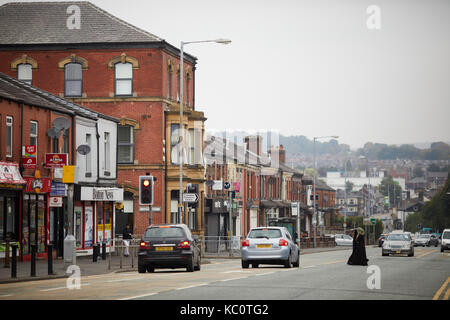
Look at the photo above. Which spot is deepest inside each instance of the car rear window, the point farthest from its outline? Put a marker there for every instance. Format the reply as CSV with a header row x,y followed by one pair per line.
x,y
164,232
265,233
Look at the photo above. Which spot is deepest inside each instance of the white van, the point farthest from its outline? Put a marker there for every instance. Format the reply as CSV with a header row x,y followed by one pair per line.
x,y
445,240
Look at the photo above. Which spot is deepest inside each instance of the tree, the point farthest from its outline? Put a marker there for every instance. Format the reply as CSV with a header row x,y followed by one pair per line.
x,y
349,186
390,188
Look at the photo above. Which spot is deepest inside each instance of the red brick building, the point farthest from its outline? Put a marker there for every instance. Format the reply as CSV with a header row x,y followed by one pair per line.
x,y
117,69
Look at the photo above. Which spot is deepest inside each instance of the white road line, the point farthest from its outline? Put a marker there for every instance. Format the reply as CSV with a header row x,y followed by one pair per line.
x,y
6,295
140,296
263,274
119,280
309,266
225,280
193,286
60,288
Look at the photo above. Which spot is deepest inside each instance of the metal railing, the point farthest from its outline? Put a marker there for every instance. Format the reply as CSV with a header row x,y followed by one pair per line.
x,y
221,246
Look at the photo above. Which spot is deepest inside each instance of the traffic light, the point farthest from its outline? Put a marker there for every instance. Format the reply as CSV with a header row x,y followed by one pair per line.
x,y
146,190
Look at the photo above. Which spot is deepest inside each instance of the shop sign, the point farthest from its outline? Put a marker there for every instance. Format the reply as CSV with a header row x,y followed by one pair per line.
x,y
43,184
56,202
56,160
29,159
237,186
217,185
58,189
10,174
101,194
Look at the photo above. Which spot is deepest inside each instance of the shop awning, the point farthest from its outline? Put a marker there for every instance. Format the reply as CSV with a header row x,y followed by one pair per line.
x,y
10,174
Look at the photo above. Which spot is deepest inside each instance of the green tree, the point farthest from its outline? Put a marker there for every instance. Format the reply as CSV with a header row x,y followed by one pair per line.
x,y
392,189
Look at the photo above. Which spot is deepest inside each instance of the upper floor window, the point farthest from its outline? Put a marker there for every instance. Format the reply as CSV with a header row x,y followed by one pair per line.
x,y
73,80
9,136
33,133
123,79
25,72
125,144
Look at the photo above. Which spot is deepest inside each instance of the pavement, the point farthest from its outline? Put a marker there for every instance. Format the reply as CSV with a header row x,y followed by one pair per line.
x,y
88,267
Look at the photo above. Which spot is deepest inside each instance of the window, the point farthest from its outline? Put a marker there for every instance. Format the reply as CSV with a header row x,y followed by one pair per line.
x,y
33,133
178,87
125,146
123,79
107,152
169,83
89,155
25,73
73,80
191,147
174,141
187,91
9,136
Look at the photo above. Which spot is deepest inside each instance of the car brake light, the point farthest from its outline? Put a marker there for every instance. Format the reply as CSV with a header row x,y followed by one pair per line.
x,y
184,245
283,243
144,245
245,243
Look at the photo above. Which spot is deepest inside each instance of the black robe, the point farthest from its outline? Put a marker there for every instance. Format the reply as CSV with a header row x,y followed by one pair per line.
x,y
358,256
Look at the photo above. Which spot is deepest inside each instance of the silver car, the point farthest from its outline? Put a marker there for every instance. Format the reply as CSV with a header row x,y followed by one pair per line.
x,y
398,243
343,240
269,245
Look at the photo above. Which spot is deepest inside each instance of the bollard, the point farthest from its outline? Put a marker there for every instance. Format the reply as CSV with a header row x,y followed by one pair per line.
x,y
33,260
104,251
14,261
121,255
50,259
94,253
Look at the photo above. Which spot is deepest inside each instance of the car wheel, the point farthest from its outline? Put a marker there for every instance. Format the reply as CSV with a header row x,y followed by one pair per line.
x,y
255,265
288,262
436,245
190,266
142,269
151,269
244,264
384,254
411,253
296,264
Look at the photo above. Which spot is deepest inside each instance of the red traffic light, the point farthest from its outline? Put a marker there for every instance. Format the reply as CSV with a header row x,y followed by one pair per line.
x,y
146,183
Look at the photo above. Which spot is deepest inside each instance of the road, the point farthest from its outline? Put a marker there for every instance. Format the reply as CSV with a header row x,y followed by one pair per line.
x,y
324,275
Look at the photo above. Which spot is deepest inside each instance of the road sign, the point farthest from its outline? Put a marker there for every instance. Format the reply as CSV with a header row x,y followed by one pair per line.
x,y
373,221
190,197
226,185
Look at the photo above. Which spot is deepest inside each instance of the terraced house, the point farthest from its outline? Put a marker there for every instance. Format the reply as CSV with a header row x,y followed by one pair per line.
x,y
79,52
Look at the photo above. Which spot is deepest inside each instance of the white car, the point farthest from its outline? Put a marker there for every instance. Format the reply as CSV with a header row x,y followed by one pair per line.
x,y
445,240
398,243
343,240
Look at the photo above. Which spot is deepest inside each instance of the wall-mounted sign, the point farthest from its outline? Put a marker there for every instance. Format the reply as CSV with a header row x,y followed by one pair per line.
x,y
217,185
29,158
56,202
56,160
42,184
101,194
58,189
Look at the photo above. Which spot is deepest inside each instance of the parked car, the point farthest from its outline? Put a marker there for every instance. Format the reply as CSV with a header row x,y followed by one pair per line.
x,y
381,239
426,240
445,240
168,246
398,243
269,245
343,240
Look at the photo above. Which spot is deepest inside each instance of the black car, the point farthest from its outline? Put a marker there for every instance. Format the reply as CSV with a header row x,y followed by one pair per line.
x,y
168,246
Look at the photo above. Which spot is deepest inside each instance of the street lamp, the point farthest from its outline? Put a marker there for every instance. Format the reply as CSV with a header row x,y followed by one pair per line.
x,y
314,184
181,131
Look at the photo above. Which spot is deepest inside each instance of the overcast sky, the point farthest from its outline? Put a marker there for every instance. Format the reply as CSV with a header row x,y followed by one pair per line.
x,y
313,67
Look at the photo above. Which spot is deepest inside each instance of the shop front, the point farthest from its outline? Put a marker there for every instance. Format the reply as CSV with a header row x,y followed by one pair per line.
x,y
94,216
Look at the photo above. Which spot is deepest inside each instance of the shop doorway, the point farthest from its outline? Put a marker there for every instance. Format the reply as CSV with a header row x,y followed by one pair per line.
x,y
104,222
9,216
34,223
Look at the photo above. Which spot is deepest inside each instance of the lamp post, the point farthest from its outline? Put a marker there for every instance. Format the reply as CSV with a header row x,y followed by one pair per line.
x,y
181,131
314,184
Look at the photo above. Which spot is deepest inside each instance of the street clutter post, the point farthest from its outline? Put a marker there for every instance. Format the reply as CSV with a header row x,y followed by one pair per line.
x,y
7,253
104,250
50,258
14,261
33,260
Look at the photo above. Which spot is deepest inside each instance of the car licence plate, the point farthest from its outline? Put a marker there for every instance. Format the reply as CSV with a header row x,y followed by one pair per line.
x,y
163,248
264,246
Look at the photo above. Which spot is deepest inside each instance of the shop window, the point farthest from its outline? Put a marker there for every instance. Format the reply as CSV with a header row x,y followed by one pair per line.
x,y
123,79
9,136
33,133
125,144
73,76
25,72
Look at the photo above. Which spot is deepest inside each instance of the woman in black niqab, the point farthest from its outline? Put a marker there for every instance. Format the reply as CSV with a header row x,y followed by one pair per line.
x,y
358,256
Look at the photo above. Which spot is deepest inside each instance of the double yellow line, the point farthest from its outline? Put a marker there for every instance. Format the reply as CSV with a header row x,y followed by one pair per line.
x,y
439,292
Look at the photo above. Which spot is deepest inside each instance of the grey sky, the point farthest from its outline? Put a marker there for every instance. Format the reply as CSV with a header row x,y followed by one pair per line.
x,y
313,67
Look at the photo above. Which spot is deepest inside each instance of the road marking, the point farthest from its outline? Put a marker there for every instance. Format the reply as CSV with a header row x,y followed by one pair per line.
x,y
332,262
140,296
6,295
263,274
438,293
59,288
309,266
447,294
119,280
426,253
193,286
233,279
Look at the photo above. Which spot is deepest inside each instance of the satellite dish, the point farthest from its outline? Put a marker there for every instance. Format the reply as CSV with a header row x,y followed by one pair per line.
x,y
61,123
53,133
83,149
